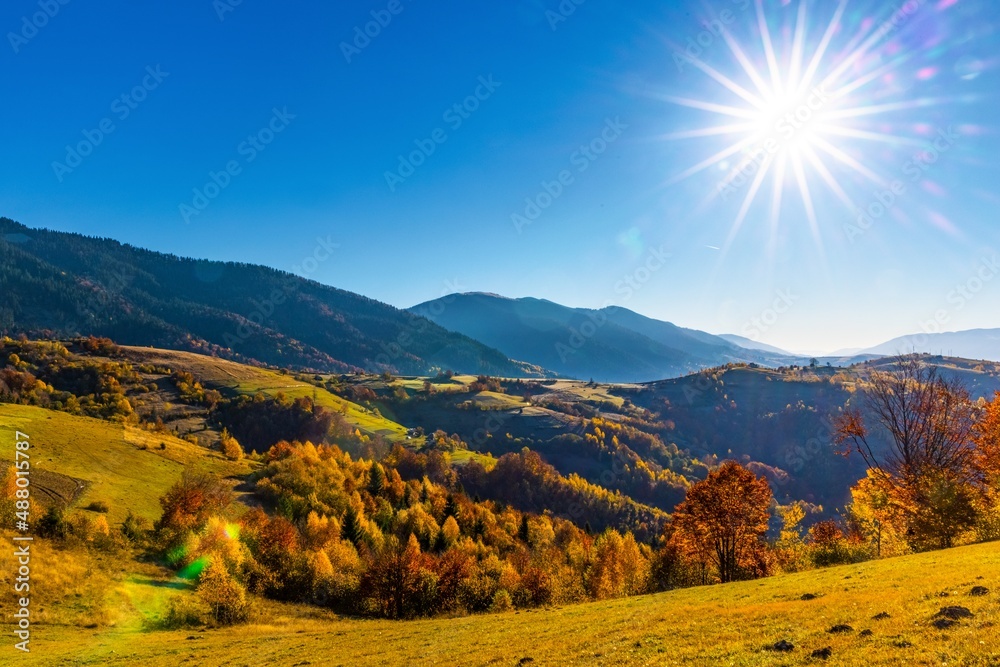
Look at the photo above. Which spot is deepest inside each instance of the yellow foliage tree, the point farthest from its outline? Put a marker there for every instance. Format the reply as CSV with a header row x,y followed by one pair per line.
x,y
231,448
225,597
879,511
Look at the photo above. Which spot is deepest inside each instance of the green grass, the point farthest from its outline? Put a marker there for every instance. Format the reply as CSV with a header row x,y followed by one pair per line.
x,y
243,379
271,384
579,391
122,466
463,456
718,625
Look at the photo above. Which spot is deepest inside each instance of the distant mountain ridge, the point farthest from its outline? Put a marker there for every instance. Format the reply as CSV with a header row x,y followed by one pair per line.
x,y
56,284
612,344
970,344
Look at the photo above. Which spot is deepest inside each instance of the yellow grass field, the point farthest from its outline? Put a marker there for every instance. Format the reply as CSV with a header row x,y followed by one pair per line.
x,y
719,625
120,465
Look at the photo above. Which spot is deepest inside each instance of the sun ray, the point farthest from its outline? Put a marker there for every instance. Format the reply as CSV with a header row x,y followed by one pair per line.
x,y
848,160
729,83
871,76
779,186
747,66
714,108
776,194
883,137
708,162
885,108
772,60
828,178
747,202
823,45
798,41
710,131
800,178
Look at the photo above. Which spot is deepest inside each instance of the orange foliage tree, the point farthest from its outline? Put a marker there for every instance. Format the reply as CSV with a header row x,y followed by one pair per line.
x,y
724,519
987,438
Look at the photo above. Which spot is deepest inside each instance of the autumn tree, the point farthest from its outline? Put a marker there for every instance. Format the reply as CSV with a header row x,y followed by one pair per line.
x,y
929,421
987,439
225,597
618,567
395,579
724,517
922,445
192,500
877,515
986,436
230,446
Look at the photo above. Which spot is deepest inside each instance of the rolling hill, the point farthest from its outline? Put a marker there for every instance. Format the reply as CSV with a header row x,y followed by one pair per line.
x,y
609,345
110,607
55,284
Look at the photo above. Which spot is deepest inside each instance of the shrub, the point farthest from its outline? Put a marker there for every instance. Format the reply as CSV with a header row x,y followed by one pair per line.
x,y
98,506
135,528
183,613
501,602
53,523
225,597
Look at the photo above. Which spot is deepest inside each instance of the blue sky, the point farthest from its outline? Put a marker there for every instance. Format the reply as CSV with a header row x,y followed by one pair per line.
x,y
302,131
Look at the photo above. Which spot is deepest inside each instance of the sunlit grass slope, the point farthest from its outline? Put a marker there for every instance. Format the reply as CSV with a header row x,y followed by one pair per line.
x,y
220,373
125,467
720,625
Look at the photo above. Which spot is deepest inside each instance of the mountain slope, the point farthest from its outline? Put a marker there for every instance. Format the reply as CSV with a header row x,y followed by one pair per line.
x,y
59,284
610,345
753,345
971,344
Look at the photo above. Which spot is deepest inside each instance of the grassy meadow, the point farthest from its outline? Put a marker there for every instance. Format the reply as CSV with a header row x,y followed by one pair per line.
x,y
243,379
89,460
719,625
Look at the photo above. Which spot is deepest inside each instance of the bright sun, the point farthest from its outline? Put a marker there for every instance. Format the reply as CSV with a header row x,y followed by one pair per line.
x,y
793,113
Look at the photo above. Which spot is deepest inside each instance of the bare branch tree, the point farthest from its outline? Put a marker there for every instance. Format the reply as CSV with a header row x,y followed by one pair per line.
x,y
929,421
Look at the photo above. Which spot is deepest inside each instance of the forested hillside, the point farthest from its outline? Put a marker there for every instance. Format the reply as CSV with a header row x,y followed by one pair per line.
x,y
65,285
